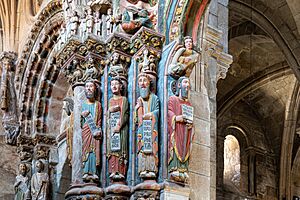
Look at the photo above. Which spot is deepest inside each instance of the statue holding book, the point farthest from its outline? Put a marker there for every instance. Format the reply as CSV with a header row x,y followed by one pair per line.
x,y
180,130
91,132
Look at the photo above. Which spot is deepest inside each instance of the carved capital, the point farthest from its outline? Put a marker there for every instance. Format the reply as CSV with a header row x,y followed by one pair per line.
x,y
79,71
25,153
8,58
146,37
25,148
118,65
43,144
147,59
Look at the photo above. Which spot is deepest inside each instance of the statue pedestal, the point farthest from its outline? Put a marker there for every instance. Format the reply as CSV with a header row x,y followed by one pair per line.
x,y
147,190
118,191
173,191
86,191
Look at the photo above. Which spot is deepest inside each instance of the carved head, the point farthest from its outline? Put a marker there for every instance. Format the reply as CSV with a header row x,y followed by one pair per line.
x,y
188,42
183,87
39,165
116,86
90,89
68,105
144,82
23,169
109,11
115,58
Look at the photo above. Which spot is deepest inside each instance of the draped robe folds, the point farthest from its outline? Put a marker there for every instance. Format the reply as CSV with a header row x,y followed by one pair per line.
x,y
179,151
117,159
179,67
39,186
22,188
91,146
148,161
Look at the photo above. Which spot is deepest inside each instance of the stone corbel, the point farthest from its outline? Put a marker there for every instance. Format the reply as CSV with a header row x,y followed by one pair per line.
x,y
224,62
211,42
213,48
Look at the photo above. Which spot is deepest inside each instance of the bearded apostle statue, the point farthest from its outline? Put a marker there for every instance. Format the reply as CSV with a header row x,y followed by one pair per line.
x,y
91,132
39,182
117,132
22,184
147,117
180,131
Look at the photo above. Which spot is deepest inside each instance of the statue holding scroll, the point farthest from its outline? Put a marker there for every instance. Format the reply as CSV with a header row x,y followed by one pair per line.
x,y
117,133
22,184
180,124
91,132
184,60
147,117
39,182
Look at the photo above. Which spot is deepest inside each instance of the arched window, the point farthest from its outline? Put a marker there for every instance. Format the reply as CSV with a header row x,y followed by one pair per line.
x,y
232,164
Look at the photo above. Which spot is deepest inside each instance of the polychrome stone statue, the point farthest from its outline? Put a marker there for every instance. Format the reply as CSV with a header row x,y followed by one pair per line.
x,y
39,182
67,124
74,23
91,132
117,132
147,117
180,131
184,60
90,21
22,184
134,18
83,26
98,24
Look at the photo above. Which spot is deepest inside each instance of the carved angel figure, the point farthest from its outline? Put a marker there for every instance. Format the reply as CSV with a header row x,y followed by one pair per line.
x,y
184,60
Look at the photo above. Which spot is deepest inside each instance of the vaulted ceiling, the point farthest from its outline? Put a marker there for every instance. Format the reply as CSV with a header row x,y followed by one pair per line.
x,y
264,41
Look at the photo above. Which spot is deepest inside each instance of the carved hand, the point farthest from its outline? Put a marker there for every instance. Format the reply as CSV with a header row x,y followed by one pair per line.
x,y
147,116
98,135
85,113
114,108
117,129
187,59
189,125
139,103
179,118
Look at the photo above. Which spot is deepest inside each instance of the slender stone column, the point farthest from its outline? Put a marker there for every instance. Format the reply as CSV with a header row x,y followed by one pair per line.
x,y
77,139
251,172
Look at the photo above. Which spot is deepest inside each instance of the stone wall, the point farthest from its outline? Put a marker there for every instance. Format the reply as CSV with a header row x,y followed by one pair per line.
x,y
8,169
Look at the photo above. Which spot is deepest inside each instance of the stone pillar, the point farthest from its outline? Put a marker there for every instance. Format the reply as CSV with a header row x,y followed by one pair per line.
x,y
77,139
77,75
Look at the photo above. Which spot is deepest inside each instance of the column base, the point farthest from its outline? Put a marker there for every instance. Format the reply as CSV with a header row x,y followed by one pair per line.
x,y
148,190
85,191
173,191
117,191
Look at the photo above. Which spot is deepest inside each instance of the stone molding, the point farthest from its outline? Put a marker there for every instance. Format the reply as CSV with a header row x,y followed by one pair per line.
x,y
214,49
